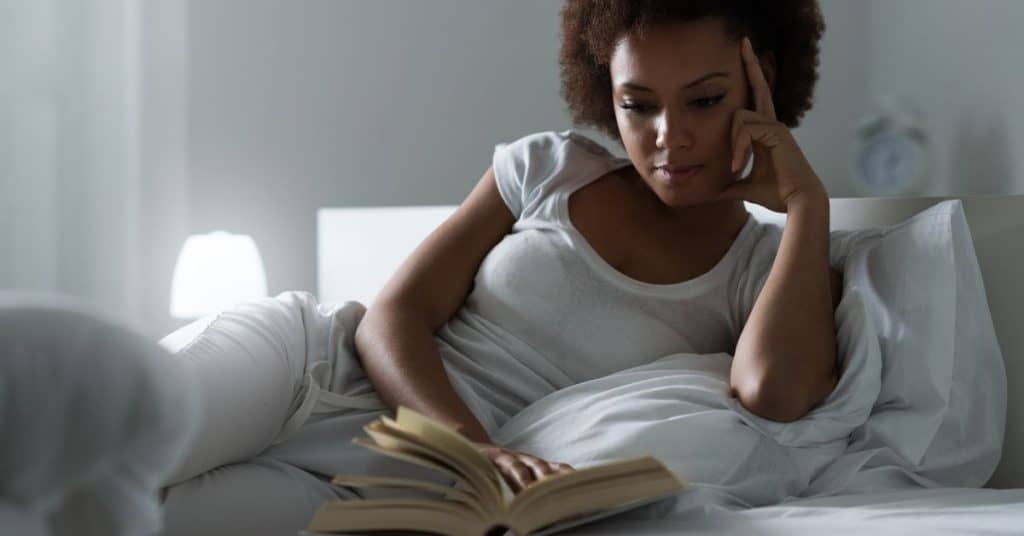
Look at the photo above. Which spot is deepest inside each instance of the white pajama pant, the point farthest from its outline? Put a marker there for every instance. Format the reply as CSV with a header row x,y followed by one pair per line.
x,y
282,394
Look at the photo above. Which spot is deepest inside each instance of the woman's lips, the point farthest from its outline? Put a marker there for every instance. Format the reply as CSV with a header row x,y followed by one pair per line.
x,y
678,176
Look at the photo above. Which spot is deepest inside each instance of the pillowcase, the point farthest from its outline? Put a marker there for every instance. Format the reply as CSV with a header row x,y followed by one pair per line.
x,y
939,417
942,406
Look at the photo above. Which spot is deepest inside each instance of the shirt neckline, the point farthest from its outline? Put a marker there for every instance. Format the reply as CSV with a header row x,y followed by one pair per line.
x,y
598,263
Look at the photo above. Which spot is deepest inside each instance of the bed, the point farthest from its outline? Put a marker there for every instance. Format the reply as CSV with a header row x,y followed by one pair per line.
x,y
384,236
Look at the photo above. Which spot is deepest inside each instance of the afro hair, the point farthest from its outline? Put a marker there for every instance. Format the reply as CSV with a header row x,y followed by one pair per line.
x,y
789,29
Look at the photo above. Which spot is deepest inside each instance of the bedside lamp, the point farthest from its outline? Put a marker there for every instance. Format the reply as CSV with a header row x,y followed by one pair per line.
x,y
215,271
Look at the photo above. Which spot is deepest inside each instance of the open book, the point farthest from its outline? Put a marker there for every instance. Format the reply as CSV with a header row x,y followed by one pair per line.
x,y
480,502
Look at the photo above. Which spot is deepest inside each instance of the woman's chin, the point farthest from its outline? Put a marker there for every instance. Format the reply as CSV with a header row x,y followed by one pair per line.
x,y
679,197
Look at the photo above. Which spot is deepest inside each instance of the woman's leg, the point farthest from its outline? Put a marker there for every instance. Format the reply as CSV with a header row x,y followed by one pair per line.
x,y
260,497
248,363
283,395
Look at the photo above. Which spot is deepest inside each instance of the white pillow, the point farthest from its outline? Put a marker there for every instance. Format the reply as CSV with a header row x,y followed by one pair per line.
x,y
942,406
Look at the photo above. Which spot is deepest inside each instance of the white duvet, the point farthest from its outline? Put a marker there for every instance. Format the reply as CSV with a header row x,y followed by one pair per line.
x,y
920,404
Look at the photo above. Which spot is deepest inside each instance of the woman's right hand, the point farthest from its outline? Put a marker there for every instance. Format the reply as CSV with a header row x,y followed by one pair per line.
x,y
520,469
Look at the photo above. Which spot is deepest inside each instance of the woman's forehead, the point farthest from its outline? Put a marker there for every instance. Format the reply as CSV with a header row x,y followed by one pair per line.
x,y
678,52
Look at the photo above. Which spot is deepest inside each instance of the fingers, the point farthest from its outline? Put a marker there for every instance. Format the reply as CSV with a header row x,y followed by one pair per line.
x,y
741,154
523,475
750,131
542,468
539,467
521,470
741,140
518,473
758,83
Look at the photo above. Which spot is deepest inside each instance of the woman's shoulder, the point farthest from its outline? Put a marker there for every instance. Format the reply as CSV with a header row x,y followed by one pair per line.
x,y
755,247
556,143
763,237
534,167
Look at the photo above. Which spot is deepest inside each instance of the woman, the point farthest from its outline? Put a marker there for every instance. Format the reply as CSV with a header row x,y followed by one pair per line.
x,y
565,264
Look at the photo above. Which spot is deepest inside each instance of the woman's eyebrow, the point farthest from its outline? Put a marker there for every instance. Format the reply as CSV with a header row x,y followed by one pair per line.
x,y
629,84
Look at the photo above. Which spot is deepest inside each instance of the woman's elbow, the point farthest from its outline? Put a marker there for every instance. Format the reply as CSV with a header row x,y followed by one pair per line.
x,y
783,405
772,408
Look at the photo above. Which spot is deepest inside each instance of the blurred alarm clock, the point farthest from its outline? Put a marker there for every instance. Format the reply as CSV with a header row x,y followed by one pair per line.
x,y
892,155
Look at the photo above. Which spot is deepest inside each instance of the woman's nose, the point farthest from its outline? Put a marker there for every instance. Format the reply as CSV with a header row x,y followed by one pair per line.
x,y
674,130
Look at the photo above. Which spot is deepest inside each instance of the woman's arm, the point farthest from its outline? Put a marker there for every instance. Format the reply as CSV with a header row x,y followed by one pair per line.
x,y
395,339
785,360
401,359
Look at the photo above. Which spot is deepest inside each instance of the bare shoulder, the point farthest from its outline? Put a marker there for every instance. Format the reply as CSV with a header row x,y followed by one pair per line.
x,y
596,210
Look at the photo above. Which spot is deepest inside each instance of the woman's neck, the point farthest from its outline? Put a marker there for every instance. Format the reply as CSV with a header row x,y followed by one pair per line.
x,y
692,220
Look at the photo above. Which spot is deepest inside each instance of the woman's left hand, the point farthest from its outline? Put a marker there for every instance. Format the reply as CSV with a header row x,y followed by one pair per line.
x,y
780,173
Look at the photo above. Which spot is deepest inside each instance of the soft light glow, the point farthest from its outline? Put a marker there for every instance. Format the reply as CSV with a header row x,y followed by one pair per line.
x,y
215,271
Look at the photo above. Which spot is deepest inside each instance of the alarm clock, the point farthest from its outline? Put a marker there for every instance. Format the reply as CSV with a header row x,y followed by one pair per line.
x,y
892,156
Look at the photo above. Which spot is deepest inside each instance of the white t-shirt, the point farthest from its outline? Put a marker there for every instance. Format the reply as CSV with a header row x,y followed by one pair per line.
x,y
546,311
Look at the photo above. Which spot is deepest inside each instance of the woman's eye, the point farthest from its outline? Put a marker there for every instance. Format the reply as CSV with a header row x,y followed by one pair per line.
x,y
638,108
699,103
708,102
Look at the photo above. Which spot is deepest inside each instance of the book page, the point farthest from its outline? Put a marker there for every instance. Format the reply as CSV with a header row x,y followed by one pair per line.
x,y
417,458
395,439
363,481
449,440
585,500
449,437
603,473
565,524
441,517
480,482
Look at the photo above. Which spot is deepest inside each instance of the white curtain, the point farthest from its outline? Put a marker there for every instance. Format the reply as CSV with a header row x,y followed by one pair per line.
x,y
83,151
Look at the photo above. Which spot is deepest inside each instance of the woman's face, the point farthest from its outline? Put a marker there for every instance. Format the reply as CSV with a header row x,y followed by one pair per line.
x,y
675,94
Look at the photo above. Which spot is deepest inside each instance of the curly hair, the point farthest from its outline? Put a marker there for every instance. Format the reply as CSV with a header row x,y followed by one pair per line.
x,y
789,29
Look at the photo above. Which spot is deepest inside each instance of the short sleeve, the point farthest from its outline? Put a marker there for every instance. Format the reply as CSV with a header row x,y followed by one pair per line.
x,y
530,167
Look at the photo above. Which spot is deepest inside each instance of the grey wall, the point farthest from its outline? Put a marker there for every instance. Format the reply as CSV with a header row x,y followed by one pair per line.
x,y
164,163
295,106
826,132
962,63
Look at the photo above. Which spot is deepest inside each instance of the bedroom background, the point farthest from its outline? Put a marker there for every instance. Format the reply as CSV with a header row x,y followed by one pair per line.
x,y
129,125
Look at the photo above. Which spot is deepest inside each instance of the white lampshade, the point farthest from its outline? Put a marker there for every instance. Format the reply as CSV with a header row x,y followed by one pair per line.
x,y
215,271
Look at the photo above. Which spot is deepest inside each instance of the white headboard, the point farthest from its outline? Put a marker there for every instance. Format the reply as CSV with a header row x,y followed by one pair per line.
x,y
359,248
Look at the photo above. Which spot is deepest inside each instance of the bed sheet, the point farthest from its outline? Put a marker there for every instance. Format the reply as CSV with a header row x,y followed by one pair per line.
x,y
922,511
